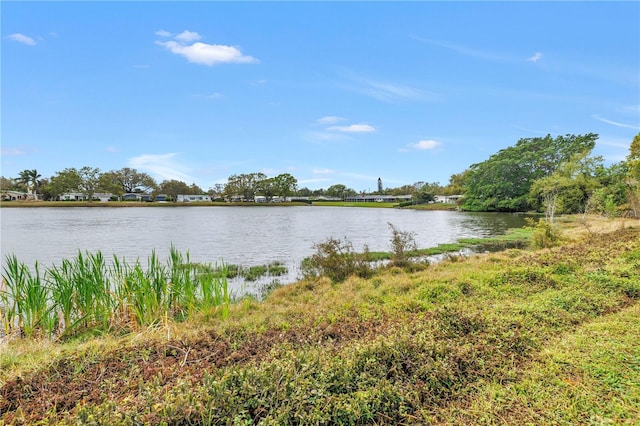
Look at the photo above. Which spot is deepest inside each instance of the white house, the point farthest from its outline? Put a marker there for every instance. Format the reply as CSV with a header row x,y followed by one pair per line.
x,y
447,199
180,198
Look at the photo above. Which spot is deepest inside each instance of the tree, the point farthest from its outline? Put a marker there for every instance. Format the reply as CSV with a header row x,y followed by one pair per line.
x,y
337,190
503,182
172,188
217,191
267,188
89,180
243,186
567,189
285,185
8,184
133,181
67,180
109,183
304,192
30,179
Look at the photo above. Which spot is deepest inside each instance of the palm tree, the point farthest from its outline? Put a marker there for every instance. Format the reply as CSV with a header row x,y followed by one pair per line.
x,y
30,179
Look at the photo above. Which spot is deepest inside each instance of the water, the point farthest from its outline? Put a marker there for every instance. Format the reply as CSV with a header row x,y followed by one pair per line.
x,y
236,235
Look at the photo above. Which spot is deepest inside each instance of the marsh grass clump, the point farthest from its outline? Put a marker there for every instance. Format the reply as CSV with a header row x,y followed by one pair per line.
x,y
85,293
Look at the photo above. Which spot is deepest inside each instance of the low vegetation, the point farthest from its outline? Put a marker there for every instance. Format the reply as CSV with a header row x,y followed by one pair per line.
x,y
547,336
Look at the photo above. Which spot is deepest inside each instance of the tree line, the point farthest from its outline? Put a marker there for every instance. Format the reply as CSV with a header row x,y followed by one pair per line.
x,y
90,181
547,174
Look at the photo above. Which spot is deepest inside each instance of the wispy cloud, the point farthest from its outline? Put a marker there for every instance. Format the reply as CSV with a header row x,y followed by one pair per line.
x,y
188,37
163,33
353,128
163,166
203,53
422,145
21,38
331,119
111,149
464,50
386,91
9,151
535,58
616,123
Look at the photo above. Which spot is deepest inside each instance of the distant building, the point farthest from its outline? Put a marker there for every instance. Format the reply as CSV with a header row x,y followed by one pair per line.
x,y
447,199
13,195
181,198
371,198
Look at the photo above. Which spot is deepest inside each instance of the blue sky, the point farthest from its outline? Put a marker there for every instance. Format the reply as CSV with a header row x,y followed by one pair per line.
x,y
331,92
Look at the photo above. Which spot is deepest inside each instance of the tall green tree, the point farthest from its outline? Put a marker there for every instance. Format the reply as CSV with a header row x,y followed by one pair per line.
x,y
244,185
285,185
67,180
132,180
503,182
89,181
172,188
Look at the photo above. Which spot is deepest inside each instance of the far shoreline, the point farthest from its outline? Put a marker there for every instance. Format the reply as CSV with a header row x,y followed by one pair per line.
x,y
125,204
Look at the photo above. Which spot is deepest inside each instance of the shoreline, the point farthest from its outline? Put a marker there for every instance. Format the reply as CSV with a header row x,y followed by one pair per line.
x,y
125,204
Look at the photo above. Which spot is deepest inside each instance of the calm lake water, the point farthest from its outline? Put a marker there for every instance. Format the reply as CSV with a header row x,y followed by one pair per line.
x,y
246,236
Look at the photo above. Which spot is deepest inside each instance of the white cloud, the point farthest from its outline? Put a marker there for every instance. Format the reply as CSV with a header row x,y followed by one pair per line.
x,y
331,119
21,38
111,148
163,33
424,145
353,128
188,37
615,123
11,151
163,166
203,53
535,58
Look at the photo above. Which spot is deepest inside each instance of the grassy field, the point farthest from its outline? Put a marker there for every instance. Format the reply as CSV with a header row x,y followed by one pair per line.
x,y
547,336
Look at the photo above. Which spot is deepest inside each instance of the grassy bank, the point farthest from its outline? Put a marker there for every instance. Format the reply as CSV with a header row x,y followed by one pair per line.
x,y
518,337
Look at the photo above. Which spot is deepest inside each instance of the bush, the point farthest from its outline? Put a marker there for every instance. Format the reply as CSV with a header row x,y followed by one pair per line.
x,y
336,260
402,244
545,234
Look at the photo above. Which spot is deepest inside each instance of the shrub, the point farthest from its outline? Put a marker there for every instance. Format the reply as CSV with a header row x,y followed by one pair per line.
x,y
545,234
336,260
402,244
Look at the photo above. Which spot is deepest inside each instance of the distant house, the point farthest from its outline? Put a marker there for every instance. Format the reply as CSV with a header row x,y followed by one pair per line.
x,y
162,198
131,196
371,198
447,199
13,195
181,198
72,196
103,197
79,196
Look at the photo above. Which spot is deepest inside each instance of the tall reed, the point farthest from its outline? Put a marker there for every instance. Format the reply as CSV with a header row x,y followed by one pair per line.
x,y
86,293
